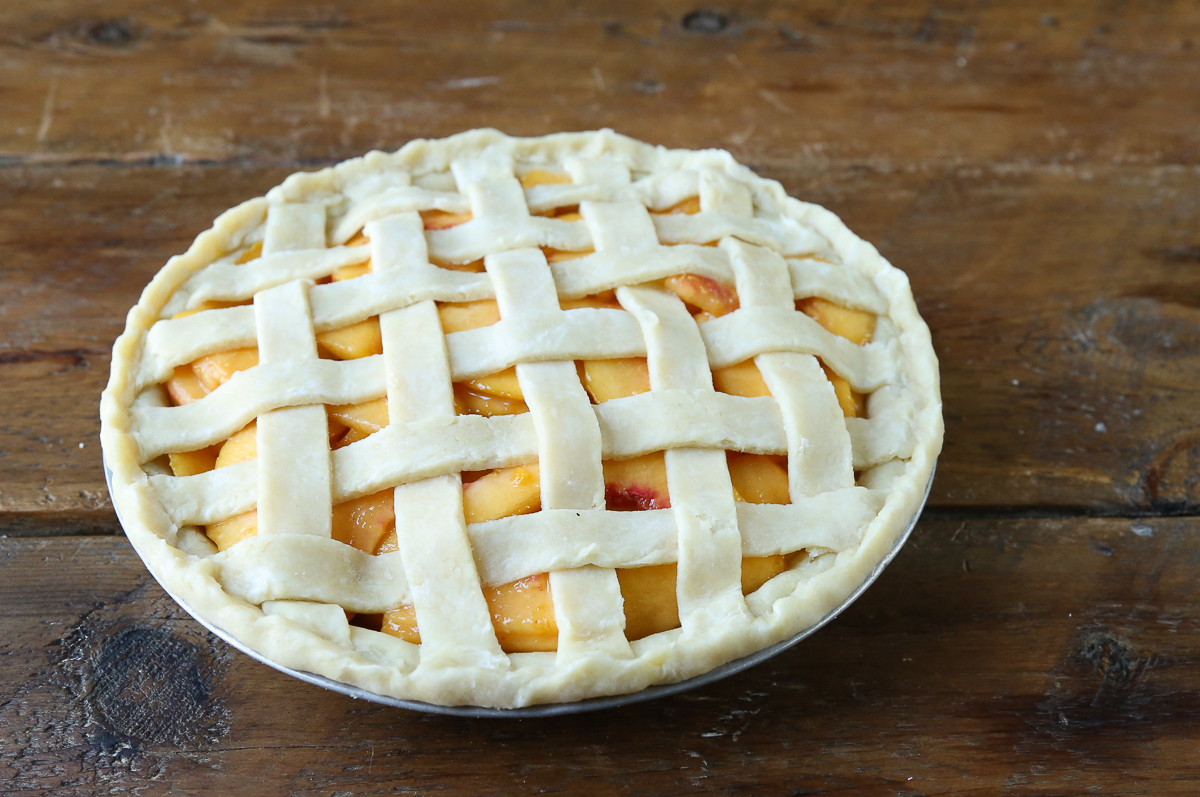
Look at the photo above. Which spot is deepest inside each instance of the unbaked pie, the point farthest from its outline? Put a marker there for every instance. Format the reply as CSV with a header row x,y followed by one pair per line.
x,y
499,421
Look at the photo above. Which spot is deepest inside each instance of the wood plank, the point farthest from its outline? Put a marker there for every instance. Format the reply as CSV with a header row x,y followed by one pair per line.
x,y
892,85
1063,303
1037,657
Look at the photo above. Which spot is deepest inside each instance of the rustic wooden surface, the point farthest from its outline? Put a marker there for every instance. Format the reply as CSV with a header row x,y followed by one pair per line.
x,y
1034,168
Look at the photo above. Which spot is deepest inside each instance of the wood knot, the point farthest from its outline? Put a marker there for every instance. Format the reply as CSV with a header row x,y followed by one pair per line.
x,y
705,21
110,33
1118,663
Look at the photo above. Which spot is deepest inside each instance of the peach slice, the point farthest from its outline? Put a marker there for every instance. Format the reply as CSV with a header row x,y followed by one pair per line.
x,y
470,402
503,384
605,300
243,445
855,326
239,448
253,253
402,622
362,420
704,293
757,479
650,601
352,271
215,370
184,386
853,403
741,379
349,343
541,177
234,530
502,493
441,220
610,379
689,206
522,614
639,483
559,255
189,463
364,522
651,604
474,267
461,316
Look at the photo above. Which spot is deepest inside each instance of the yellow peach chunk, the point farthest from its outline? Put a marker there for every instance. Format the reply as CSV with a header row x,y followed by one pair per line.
x,y
639,483
234,530
757,479
349,343
610,379
215,370
184,386
189,463
239,448
358,239
503,384
441,220
703,293
502,493
742,379
470,402
364,522
541,177
855,326
461,316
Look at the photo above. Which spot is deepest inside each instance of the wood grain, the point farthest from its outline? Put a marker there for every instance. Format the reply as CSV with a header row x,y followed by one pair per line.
x,y
1064,308
1033,168
1024,656
890,85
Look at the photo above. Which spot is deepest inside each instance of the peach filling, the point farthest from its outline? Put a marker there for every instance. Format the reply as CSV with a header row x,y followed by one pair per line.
x,y
522,611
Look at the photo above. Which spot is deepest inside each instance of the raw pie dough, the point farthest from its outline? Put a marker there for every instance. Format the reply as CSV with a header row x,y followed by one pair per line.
x,y
557,222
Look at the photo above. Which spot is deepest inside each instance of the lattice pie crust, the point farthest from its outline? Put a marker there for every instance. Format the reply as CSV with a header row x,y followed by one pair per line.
x,y
269,275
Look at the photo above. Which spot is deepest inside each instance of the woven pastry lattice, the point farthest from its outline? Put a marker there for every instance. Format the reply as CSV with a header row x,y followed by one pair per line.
x,y
442,563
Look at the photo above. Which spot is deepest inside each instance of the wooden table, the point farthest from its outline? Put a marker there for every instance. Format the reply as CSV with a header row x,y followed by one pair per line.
x,y
1036,171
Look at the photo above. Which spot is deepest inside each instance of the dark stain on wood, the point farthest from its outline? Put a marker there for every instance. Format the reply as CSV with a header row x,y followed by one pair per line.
x,y
141,685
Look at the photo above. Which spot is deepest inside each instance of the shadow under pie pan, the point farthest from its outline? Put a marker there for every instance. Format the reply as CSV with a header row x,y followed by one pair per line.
x,y
590,704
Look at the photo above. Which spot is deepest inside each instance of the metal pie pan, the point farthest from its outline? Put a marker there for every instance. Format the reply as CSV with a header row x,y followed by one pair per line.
x,y
577,707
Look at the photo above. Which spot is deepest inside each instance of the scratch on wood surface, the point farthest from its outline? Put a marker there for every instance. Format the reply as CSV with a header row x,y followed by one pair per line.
x,y
598,76
775,102
47,112
471,82
323,105
164,134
